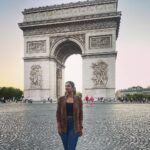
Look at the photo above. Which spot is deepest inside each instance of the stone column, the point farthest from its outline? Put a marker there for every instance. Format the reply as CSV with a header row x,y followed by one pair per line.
x,y
52,77
99,76
63,81
36,79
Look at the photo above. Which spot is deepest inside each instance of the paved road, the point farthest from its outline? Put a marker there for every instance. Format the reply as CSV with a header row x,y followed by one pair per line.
x,y
106,127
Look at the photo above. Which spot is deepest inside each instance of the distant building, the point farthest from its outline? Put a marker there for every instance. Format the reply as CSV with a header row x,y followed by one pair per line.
x,y
133,90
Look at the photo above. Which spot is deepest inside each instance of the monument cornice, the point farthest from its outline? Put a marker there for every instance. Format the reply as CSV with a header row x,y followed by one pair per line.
x,y
68,5
93,23
42,58
36,89
102,54
93,88
36,57
71,20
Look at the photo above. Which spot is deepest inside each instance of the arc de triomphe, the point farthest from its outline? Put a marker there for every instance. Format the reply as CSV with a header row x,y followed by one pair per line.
x,y
53,33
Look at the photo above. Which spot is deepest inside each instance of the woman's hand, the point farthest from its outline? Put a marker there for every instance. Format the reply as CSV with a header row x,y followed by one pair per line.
x,y
59,131
81,133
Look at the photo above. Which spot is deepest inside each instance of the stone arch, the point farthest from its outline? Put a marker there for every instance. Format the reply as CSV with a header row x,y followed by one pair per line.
x,y
61,50
90,32
64,40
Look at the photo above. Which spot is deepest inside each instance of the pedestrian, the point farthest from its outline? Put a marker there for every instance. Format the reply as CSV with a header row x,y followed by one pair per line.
x,y
91,99
87,99
69,116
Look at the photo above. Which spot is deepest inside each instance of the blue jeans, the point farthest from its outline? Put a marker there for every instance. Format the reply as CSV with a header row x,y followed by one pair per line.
x,y
70,138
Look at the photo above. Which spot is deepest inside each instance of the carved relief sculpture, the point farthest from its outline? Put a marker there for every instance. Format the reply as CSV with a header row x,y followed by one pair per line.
x,y
78,37
72,27
100,77
36,46
36,77
101,41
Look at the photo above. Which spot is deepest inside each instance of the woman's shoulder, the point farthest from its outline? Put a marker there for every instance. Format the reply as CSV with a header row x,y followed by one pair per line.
x,y
61,98
78,98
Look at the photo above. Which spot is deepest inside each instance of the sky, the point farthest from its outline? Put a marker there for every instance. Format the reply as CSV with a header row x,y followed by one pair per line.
x,y
132,45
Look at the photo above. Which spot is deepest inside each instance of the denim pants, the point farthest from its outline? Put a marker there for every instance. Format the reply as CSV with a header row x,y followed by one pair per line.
x,y
70,138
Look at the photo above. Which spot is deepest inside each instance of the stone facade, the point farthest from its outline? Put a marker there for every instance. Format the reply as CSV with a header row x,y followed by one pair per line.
x,y
53,33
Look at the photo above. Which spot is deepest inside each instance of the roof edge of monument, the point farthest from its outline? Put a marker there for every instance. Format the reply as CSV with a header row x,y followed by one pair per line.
x,y
72,19
67,5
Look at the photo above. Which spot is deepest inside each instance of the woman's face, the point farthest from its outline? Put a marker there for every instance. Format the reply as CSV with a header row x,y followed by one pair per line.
x,y
68,87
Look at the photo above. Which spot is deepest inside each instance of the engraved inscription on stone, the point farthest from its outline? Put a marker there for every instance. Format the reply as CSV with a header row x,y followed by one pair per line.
x,y
100,77
36,77
102,41
36,46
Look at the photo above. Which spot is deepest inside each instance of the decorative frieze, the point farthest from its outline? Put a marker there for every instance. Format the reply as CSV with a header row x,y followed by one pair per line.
x,y
100,42
72,27
36,77
99,55
100,74
36,46
79,37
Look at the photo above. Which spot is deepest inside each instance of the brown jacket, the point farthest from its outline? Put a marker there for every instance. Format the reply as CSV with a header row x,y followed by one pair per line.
x,y
61,114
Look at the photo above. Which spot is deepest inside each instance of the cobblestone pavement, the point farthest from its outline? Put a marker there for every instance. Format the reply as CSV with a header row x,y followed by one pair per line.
x,y
106,127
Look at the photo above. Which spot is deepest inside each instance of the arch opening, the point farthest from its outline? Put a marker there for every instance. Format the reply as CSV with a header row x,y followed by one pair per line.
x,y
73,71
66,49
62,52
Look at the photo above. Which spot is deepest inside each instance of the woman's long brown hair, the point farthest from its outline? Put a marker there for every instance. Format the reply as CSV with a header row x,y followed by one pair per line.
x,y
73,86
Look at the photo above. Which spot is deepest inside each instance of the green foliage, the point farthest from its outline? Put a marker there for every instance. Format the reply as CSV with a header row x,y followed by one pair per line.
x,y
79,94
10,92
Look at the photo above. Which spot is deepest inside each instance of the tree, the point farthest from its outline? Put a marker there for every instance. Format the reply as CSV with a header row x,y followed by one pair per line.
x,y
79,94
10,92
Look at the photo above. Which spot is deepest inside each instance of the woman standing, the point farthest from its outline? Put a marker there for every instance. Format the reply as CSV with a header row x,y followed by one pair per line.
x,y
69,116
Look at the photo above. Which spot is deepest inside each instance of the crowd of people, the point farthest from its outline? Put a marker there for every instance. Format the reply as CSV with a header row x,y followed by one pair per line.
x,y
91,99
43,100
16,100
